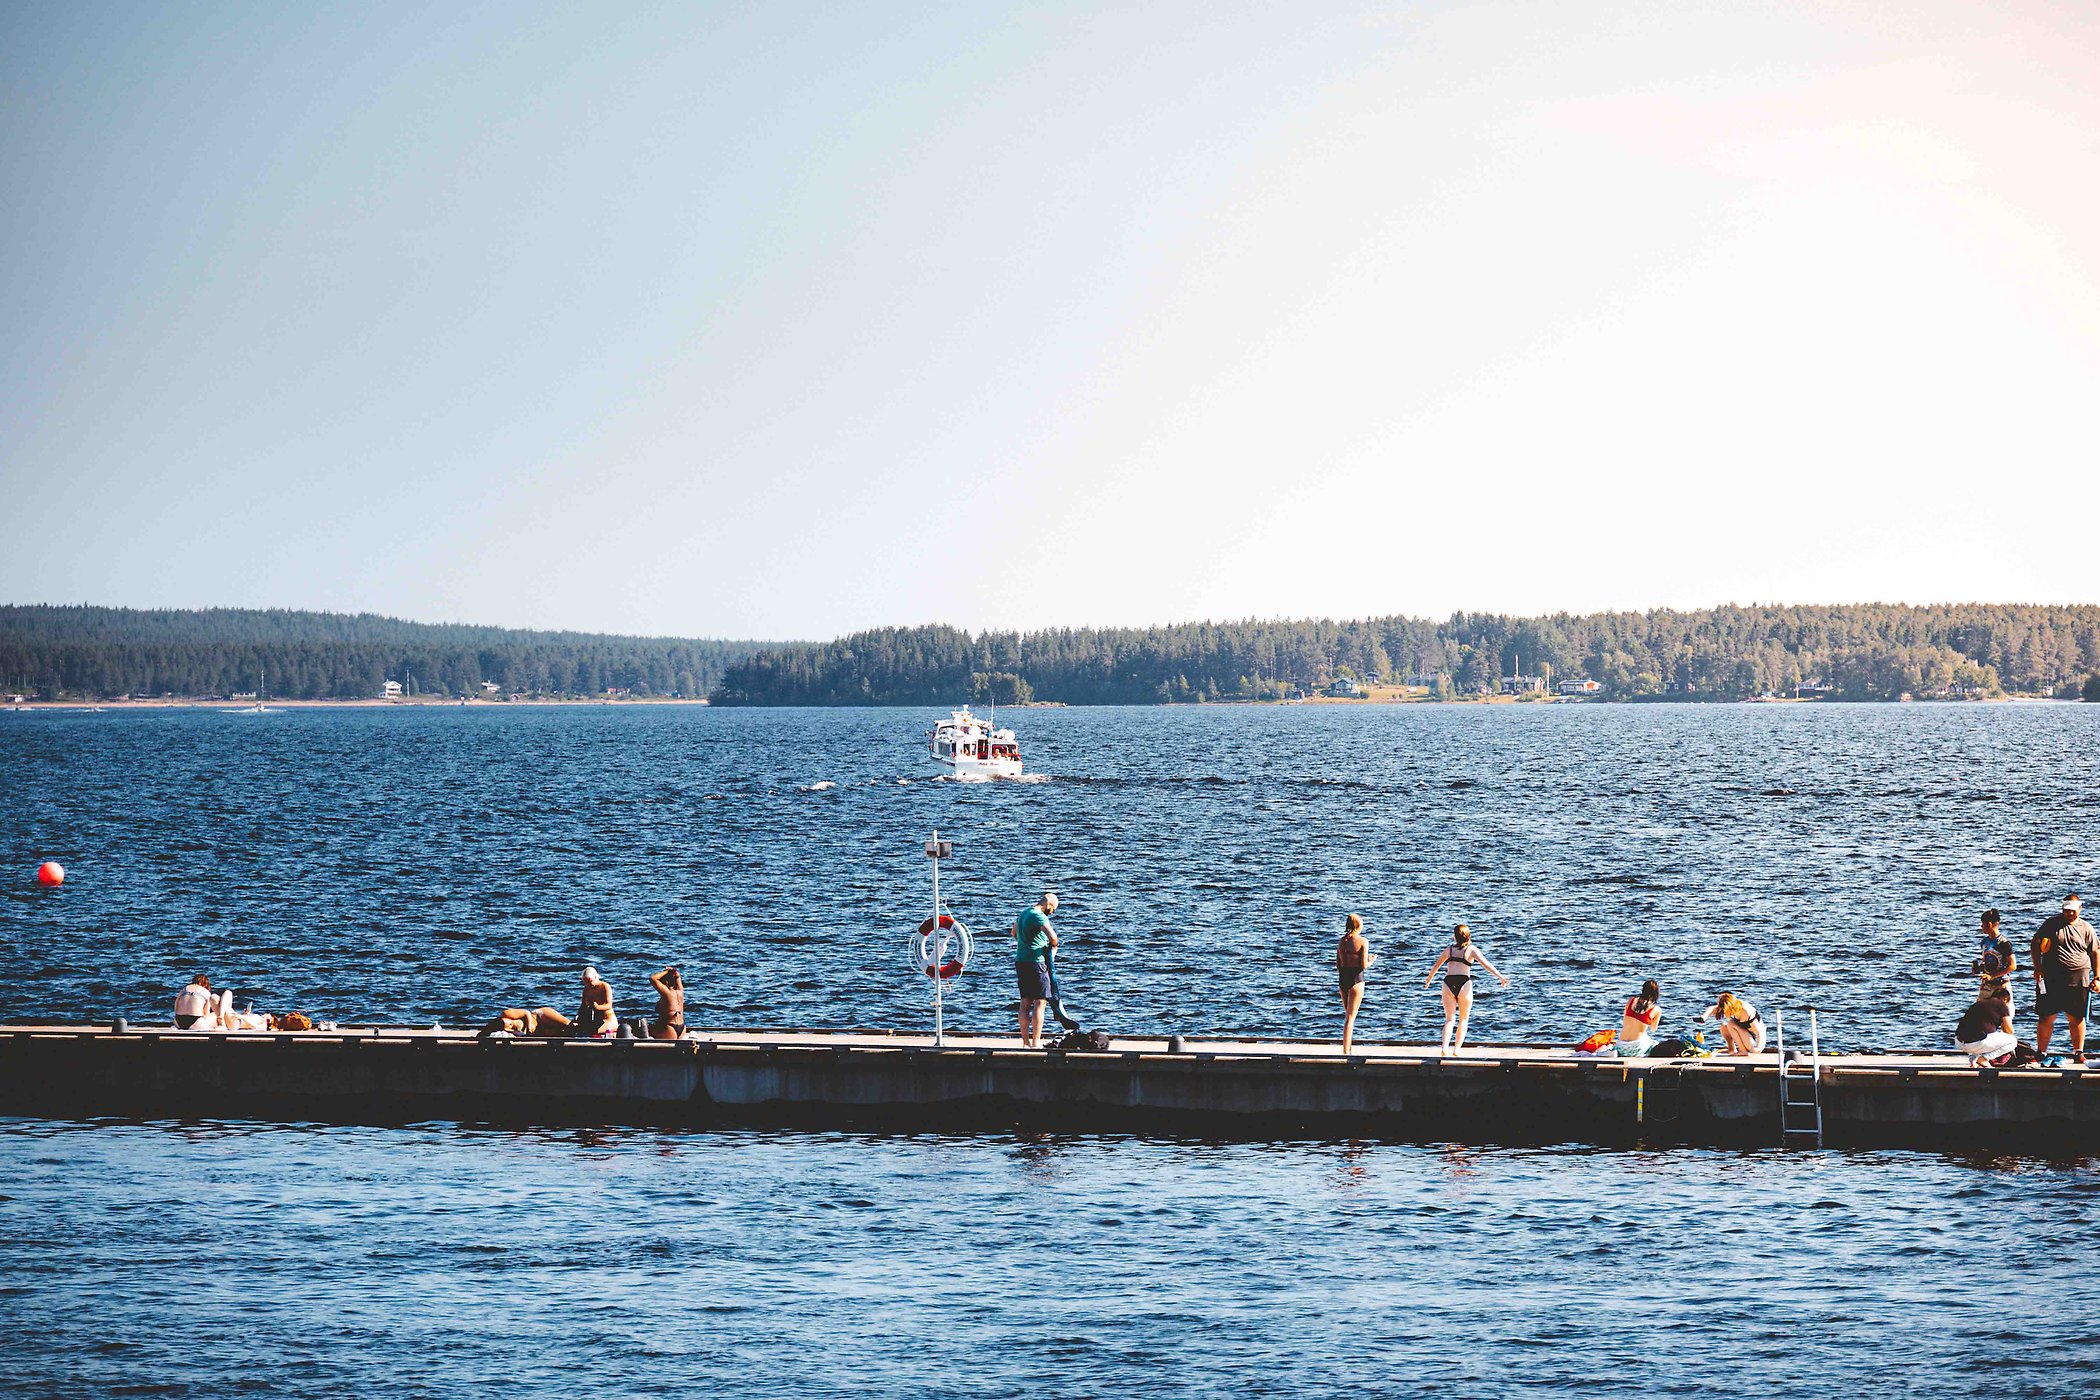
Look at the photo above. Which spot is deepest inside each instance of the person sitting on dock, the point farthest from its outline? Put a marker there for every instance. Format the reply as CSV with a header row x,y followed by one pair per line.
x,y
670,1005
1638,1020
193,1003
1985,1032
543,1024
2066,961
1351,957
1034,939
1741,1027
595,1019
1457,962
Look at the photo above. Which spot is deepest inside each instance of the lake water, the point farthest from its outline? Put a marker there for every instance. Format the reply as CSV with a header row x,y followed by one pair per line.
x,y
412,865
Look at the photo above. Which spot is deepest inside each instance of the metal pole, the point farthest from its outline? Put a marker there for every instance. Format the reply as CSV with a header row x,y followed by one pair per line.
x,y
940,940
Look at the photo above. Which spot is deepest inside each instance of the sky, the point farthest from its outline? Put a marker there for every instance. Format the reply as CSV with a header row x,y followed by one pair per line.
x,y
786,320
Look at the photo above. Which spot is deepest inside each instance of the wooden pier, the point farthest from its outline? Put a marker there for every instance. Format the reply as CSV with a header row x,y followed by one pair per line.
x,y
1228,1088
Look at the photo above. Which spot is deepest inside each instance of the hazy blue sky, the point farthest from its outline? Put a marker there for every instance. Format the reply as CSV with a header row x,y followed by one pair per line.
x,y
784,320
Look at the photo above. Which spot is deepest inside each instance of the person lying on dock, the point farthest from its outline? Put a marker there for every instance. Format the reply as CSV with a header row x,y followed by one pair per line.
x,y
1457,963
1741,1027
670,1005
218,1014
193,1003
1638,1020
1351,957
543,1024
1985,1032
595,1019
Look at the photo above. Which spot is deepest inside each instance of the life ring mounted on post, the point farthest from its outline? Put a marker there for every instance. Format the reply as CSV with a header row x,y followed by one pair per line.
x,y
952,948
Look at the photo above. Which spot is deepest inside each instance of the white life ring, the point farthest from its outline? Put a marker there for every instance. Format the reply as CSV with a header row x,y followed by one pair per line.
x,y
958,948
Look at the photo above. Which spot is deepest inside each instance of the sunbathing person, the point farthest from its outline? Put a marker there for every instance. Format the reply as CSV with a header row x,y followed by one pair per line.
x,y
193,1003
228,1019
595,1018
1741,1027
545,1023
1638,1020
670,1005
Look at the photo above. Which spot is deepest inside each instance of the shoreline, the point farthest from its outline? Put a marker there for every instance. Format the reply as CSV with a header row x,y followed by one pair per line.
x,y
421,702
418,703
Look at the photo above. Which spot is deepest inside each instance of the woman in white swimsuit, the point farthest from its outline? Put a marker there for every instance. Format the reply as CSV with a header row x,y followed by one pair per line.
x,y
1457,962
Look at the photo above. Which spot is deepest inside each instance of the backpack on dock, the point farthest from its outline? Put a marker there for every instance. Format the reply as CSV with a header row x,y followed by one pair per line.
x,y
1094,1041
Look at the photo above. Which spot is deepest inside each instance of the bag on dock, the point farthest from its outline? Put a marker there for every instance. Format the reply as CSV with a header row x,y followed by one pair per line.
x,y
1674,1048
1083,1040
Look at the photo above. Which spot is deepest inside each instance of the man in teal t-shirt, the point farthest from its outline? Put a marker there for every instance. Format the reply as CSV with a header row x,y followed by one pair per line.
x,y
1033,940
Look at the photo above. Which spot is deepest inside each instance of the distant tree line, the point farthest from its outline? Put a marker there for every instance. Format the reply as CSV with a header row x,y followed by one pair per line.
x,y
1864,652
53,652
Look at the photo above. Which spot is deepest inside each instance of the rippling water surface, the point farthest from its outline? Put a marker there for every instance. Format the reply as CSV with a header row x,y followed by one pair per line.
x,y
412,865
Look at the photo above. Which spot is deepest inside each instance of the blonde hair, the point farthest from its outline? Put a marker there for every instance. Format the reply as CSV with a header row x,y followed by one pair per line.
x,y
1355,924
1730,1005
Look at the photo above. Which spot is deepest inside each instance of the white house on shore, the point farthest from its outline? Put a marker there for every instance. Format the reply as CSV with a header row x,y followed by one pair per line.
x,y
1579,686
390,690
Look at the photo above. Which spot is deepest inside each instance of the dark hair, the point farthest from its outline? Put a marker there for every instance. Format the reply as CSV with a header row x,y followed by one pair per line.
x,y
674,979
1650,991
1990,916
1461,935
201,980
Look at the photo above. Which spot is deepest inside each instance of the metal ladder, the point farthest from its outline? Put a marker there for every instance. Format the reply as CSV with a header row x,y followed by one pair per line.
x,y
1800,1089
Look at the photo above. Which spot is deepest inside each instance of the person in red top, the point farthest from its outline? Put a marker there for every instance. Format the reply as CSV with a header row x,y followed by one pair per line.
x,y
1638,1020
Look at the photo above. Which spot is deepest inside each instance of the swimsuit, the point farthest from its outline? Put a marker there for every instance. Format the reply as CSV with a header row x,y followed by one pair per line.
x,y
1456,982
1351,973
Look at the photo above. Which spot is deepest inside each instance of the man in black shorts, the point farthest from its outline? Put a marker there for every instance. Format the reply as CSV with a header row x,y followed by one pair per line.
x,y
2066,961
1033,940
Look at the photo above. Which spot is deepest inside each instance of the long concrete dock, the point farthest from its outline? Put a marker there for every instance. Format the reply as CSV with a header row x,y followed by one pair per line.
x,y
1230,1088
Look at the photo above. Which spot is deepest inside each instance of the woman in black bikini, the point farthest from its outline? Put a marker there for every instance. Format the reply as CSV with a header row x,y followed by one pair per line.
x,y
670,1005
1351,956
1457,963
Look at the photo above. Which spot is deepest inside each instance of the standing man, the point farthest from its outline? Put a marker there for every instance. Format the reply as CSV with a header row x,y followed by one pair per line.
x,y
1033,940
2066,961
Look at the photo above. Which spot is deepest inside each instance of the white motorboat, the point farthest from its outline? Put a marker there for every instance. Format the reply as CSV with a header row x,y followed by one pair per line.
x,y
972,747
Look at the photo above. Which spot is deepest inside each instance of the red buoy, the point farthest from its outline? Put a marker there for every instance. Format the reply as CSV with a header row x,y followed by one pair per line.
x,y
51,873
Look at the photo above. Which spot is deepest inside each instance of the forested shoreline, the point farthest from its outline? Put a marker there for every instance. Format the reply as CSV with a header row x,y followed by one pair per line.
x,y
51,652
1861,652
